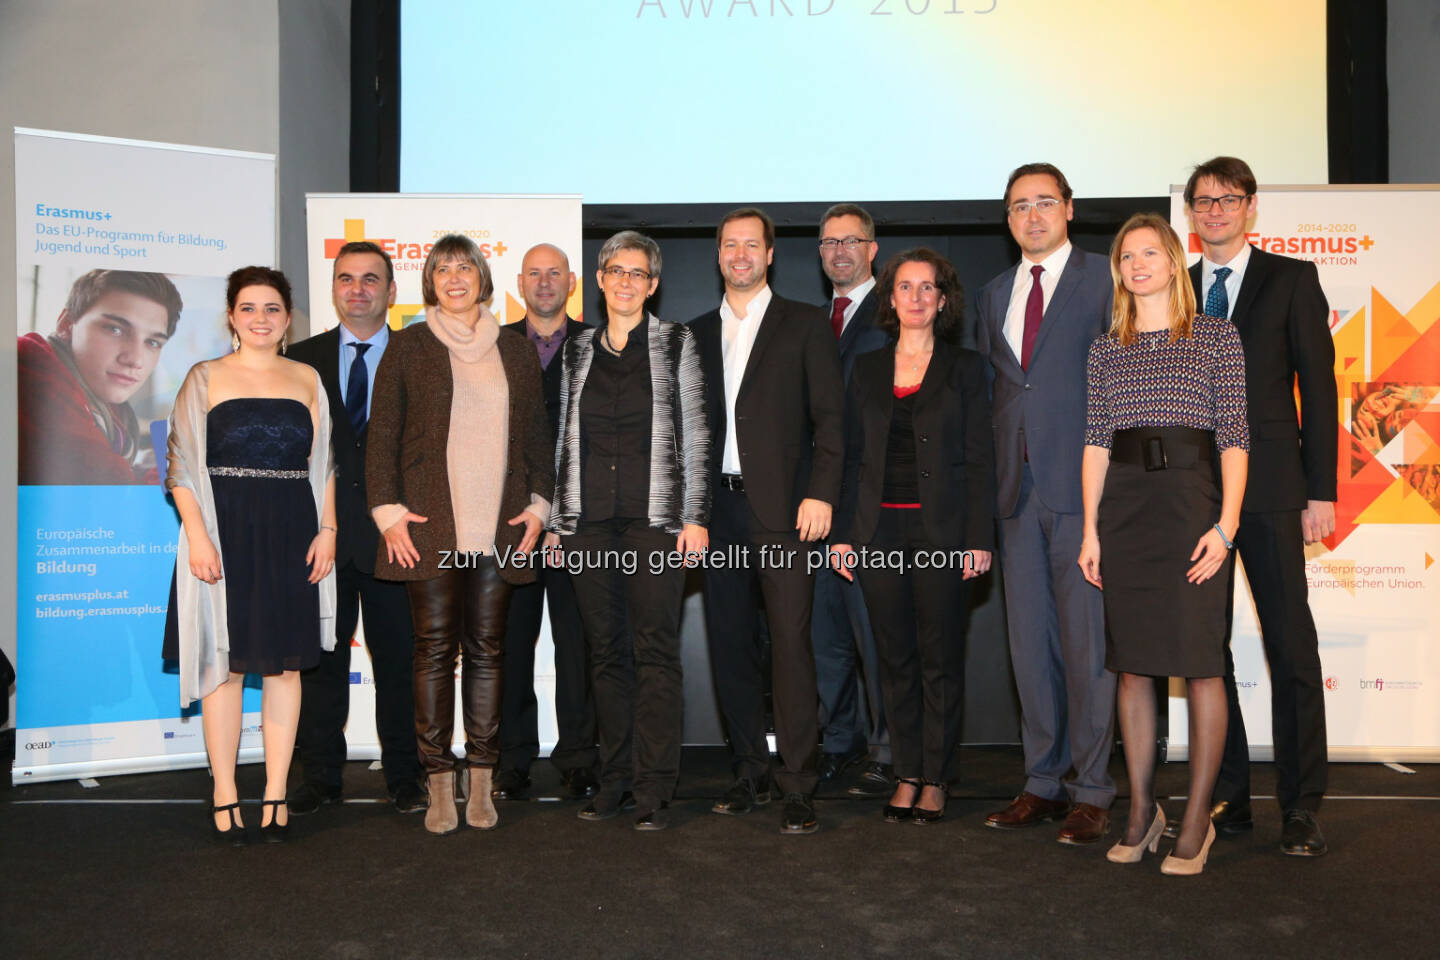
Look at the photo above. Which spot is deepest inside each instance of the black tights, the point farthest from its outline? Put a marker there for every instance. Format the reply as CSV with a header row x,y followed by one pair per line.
x,y
1135,700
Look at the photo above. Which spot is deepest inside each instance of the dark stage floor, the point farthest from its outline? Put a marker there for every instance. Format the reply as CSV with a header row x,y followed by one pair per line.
x,y
109,872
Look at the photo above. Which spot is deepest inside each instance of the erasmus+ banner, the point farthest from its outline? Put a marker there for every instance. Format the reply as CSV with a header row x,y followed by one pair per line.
x,y
1375,583
122,249
406,226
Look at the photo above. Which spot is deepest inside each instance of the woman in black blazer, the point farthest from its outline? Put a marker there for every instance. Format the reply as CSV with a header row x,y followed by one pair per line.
x,y
918,500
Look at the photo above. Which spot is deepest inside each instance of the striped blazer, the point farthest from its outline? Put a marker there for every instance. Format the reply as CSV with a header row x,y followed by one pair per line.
x,y
680,454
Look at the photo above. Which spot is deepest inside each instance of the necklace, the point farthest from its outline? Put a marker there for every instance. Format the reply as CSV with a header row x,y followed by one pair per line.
x,y
914,358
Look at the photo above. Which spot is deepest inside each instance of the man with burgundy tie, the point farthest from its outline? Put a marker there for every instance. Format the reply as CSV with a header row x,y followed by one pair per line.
x,y
363,289
1280,312
852,720
1035,324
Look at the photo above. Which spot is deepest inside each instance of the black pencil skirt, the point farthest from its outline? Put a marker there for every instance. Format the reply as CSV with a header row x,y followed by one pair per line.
x,y
1160,497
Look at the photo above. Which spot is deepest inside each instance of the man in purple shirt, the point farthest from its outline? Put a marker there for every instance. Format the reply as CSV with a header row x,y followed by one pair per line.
x,y
546,283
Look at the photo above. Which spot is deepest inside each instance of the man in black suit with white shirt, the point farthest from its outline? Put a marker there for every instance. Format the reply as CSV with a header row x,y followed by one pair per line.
x,y
363,289
1280,312
776,408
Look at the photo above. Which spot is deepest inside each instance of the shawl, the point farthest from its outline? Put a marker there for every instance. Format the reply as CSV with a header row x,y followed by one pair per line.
x,y
201,614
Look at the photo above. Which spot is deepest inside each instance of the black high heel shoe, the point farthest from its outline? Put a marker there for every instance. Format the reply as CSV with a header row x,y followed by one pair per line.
x,y
894,814
921,814
234,834
274,831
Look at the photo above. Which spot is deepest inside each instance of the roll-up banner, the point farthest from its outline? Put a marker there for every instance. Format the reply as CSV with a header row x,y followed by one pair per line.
x,y
406,226
1375,584
122,250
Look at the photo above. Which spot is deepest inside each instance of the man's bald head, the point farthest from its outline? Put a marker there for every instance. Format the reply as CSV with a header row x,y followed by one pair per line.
x,y
546,282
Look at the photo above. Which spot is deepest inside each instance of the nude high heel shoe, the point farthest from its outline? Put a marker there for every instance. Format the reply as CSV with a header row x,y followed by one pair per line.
x,y
1120,853
1176,867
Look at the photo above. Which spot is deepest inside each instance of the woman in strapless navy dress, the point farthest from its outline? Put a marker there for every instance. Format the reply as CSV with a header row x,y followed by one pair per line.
x,y
252,475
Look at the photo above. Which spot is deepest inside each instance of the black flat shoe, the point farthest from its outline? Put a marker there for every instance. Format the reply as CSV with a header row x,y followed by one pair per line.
x,y
274,831
657,819
581,783
799,815
234,835
919,814
895,814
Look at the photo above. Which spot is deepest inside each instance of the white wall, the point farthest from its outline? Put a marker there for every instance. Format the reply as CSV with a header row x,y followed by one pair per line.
x,y
258,75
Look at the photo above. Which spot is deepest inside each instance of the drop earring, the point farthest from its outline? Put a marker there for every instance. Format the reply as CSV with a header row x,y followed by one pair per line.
x,y
234,341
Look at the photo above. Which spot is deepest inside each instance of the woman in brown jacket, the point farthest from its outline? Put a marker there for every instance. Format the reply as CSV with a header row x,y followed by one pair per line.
x,y
459,472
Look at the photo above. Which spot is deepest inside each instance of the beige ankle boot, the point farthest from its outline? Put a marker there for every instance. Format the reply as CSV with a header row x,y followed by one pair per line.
x,y
441,817
480,809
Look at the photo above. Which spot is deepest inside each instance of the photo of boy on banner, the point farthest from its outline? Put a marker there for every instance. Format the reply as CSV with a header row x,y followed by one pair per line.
x,y
86,390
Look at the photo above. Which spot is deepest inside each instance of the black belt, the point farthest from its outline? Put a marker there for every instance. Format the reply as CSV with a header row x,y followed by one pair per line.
x,y
732,481
1162,448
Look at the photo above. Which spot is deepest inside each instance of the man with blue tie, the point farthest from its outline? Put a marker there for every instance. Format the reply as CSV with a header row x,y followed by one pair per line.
x,y
1281,314
1035,324
363,289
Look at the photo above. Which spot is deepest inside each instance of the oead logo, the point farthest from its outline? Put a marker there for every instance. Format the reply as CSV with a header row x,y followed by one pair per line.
x,y
40,745
1332,683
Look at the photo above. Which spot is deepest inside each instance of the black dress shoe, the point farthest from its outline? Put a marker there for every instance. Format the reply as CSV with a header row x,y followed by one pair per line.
x,y
875,780
832,765
1229,817
899,814
606,805
233,835
408,798
744,795
309,797
653,820
581,782
799,815
509,784
274,831
1301,836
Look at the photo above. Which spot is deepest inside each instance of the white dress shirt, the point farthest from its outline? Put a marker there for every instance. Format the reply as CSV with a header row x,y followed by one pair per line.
x,y
737,336
856,295
1054,265
1237,266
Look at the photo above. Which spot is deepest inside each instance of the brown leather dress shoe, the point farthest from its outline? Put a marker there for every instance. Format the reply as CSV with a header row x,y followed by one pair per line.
x,y
1086,823
1027,810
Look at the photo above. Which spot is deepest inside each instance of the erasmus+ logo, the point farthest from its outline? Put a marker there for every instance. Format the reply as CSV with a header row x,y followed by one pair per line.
x,y
404,250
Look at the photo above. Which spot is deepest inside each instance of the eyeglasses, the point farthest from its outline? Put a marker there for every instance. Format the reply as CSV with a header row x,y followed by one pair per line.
x,y
1229,203
1021,207
926,290
620,273
849,243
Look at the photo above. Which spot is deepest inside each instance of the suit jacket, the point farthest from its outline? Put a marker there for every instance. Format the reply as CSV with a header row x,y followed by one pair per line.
x,y
356,538
860,334
680,451
551,376
1282,317
954,451
1042,410
406,456
789,412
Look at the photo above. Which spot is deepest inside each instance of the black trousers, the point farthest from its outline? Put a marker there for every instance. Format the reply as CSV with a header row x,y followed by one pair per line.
x,y
574,705
919,611
1272,548
462,613
732,596
632,623
325,690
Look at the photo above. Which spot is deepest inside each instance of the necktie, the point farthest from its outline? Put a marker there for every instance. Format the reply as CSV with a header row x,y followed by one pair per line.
x,y
1034,312
1217,301
356,389
837,315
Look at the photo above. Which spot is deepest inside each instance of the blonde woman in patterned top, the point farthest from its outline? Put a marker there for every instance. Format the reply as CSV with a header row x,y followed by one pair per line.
x,y
1166,400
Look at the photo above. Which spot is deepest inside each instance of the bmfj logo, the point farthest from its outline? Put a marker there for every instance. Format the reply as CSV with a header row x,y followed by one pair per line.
x,y
1376,684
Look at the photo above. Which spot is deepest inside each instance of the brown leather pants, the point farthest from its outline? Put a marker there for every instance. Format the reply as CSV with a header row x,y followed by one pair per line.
x,y
460,612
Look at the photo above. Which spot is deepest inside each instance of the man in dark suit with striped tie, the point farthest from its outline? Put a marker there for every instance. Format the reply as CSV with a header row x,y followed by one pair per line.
x,y
363,288
1278,308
